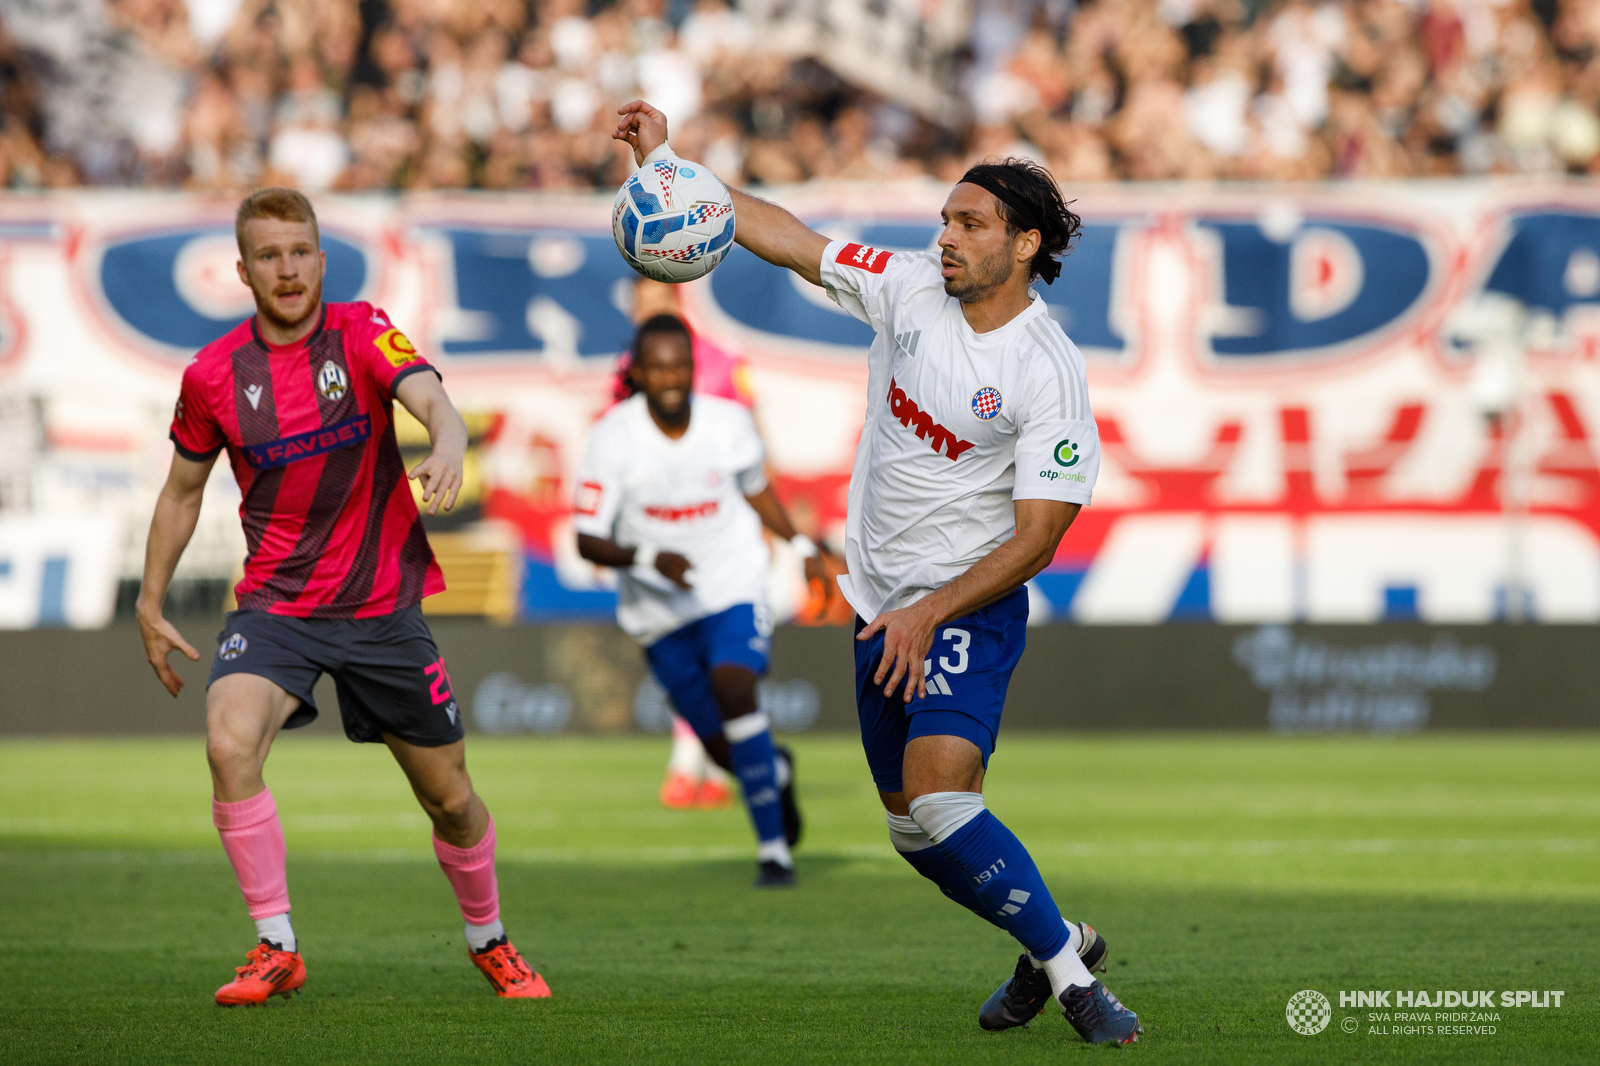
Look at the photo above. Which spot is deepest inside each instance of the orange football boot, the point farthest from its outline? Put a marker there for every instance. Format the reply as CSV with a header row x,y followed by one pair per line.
x,y
511,976
713,796
270,972
679,791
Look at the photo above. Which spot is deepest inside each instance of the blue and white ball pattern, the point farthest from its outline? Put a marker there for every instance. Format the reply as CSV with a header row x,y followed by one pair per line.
x,y
673,220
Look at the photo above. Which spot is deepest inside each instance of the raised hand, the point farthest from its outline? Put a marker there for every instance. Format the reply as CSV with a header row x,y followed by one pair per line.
x,y
643,127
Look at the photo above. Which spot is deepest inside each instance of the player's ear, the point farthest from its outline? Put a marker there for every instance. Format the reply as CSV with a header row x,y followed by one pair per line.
x,y
242,275
1028,242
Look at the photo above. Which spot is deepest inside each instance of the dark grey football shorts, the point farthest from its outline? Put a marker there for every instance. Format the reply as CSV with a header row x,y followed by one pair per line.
x,y
387,671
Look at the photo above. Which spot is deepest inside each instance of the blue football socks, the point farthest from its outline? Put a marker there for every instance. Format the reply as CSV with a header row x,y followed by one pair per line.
x,y
999,869
750,742
915,848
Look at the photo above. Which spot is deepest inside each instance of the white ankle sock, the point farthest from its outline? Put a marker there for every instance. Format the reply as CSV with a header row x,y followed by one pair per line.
x,y
1074,937
775,850
1066,970
1074,943
479,936
688,754
278,930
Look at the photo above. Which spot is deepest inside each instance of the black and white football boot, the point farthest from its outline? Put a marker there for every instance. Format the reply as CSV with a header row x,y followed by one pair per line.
x,y
1025,993
1098,1016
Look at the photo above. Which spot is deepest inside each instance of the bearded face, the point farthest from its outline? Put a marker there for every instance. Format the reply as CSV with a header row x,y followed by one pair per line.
x,y
283,267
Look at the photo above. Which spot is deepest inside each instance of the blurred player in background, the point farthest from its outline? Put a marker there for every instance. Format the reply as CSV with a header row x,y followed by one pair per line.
x,y
673,493
693,781
302,396
978,450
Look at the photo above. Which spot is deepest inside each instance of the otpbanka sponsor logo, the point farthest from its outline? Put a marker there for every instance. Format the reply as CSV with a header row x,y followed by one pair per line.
x,y
1394,1012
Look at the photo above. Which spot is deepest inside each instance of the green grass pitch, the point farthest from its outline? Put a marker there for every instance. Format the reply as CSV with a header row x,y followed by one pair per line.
x,y
1227,873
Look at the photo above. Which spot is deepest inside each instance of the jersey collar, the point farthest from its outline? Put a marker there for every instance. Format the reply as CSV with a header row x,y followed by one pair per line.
x,y
302,343
1036,307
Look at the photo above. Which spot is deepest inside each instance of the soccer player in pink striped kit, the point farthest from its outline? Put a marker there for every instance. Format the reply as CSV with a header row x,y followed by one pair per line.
x,y
301,396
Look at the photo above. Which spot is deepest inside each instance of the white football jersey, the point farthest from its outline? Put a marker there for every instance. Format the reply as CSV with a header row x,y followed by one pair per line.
x,y
959,425
639,486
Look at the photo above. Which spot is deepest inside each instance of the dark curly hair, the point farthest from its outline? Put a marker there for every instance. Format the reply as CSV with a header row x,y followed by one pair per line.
x,y
1029,198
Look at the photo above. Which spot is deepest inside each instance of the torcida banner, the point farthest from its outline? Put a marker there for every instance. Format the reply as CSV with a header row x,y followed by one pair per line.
x,y
1333,404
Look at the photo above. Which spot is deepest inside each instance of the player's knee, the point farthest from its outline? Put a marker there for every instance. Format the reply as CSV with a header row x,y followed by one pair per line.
x,y
735,689
452,803
940,814
228,754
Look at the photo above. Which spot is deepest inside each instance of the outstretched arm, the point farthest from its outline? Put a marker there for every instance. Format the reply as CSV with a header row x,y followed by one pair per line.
x,y
440,472
908,632
177,511
765,228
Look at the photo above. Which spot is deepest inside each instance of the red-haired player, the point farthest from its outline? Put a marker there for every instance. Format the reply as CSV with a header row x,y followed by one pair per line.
x,y
302,397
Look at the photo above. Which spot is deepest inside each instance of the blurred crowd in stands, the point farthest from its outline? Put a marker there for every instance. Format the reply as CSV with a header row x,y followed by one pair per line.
x,y
364,95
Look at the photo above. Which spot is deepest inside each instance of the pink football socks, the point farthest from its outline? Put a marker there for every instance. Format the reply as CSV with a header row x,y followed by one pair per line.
x,y
252,836
471,874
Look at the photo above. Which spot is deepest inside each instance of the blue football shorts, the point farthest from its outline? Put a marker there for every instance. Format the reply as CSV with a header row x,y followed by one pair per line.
x,y
968,671
683,660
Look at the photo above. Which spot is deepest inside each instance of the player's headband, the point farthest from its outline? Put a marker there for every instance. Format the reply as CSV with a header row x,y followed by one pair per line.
x,y
1021,215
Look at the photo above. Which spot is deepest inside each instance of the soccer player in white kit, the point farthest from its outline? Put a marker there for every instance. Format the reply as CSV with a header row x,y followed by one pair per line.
x,y
978,449
673,494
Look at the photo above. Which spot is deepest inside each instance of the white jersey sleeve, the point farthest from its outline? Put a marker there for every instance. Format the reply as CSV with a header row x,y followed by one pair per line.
x,y
1058,443
599,483
749,455
861,279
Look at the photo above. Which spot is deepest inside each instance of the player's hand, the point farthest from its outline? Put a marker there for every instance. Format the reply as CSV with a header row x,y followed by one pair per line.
x,y
643,127
673,567
161,638
907,639
440,475
816,568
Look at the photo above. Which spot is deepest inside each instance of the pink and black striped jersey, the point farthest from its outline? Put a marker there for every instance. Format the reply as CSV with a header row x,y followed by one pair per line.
x,y
330,525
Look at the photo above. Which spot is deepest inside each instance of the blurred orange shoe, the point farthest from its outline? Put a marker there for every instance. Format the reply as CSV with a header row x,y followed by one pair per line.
x,y
512,977
679,792
713,795
269,972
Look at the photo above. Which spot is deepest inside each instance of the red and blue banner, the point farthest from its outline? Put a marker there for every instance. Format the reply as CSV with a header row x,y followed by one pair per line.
x,y
1340,404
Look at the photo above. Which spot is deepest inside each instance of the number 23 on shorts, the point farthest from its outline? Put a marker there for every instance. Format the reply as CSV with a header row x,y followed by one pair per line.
x,y
959,640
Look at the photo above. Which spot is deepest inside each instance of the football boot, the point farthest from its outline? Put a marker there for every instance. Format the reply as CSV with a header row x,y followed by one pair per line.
x,y
1098,1016
508,972
774,874
713,795
270,971
1023,996
680,792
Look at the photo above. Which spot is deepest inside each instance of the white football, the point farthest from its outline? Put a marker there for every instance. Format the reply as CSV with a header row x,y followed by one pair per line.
x,y
673,220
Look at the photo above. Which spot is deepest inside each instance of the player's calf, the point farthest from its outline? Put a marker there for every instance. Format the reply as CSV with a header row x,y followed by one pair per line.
x,y
756,761
915,847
